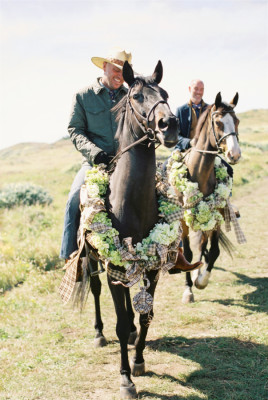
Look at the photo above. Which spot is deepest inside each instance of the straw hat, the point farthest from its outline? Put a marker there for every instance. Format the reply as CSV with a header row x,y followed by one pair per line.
x,y
116,57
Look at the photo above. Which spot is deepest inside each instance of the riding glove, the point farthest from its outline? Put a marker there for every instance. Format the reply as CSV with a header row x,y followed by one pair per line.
x,y
102,158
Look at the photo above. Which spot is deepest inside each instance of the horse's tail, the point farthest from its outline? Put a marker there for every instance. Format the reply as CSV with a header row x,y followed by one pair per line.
x,y
226,244
82,288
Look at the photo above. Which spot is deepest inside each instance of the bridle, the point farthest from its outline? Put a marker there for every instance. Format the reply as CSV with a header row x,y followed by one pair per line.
x,y
217,141
149,134
146,120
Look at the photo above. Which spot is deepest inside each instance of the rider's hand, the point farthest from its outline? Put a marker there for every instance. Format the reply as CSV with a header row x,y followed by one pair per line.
x,y
192,143
102,158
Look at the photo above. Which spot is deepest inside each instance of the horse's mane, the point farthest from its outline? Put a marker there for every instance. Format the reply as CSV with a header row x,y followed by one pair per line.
x,y
201,121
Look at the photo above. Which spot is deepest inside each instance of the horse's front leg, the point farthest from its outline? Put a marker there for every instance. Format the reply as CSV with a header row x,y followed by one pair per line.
x,y
95,286
131,316
187,296
138,363
201,280
127,387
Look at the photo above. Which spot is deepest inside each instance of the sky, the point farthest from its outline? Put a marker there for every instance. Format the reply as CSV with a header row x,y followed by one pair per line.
x,y
46,50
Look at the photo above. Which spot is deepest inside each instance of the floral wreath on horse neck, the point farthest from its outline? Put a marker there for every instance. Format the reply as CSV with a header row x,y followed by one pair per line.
x,y
153,251
201,213
159,250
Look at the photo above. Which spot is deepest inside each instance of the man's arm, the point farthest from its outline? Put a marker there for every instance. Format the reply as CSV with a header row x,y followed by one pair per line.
x,y
183,141
78,132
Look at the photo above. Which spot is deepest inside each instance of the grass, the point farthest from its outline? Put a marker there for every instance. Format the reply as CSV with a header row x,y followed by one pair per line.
x,y
213,349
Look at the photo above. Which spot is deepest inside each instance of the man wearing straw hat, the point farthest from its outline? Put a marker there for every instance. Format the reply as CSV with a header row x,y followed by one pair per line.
x,y
92,128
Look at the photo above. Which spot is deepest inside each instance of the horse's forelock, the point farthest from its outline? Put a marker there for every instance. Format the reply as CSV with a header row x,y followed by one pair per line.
x,y
226,107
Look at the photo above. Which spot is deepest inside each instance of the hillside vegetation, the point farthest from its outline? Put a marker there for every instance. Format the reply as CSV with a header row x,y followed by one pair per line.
x,y
213,349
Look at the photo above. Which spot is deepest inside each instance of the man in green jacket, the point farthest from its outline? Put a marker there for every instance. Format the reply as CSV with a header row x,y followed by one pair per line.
x,y
92,128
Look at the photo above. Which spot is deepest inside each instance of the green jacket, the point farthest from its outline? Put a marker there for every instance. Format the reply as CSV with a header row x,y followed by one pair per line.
x,y
92,125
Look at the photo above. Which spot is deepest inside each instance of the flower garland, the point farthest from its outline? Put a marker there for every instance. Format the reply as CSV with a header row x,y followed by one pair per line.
x,y
104,240
201,213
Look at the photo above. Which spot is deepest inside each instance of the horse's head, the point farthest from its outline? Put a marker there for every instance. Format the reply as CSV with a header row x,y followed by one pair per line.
x,y
225,128
150,110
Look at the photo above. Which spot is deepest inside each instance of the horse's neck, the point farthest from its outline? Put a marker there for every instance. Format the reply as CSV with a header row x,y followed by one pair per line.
x,y
132,199
201,165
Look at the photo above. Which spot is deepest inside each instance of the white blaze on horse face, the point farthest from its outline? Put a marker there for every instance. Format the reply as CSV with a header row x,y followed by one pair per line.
x,y
233,152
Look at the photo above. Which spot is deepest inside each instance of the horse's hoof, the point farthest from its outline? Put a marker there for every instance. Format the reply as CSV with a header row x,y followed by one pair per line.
x,y
100,341
132,337
201,281
187,296
137,369
127,389
128,392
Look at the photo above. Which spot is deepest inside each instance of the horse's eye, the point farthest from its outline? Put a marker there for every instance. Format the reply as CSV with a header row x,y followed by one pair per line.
x,y
138,96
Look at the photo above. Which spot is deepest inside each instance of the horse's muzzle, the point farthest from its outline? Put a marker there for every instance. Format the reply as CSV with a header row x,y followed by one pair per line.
x,y
161,137
168,131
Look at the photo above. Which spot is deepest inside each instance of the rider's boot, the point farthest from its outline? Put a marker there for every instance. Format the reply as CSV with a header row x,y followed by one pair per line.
x,y
183,265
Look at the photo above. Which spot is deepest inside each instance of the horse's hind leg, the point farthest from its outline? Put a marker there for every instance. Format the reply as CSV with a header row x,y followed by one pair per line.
x,y
127,387
138,363
95,286
131,316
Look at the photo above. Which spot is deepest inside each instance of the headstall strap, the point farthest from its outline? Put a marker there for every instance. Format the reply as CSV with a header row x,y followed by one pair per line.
x,y
149,133
218,141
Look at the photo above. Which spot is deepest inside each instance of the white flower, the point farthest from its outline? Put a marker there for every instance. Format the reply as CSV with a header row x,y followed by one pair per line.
x,y
176,154
93,190
223,191
217,161
165,233
191,187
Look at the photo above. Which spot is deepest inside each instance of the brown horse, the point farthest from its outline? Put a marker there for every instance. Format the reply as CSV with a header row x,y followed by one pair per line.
x,y
217,132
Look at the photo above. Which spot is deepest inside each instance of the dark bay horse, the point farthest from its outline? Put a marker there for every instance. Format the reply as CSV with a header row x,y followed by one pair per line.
x,y
144,118
217,132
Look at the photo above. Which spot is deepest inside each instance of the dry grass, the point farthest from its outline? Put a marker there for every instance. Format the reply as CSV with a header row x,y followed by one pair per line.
x,y
213,349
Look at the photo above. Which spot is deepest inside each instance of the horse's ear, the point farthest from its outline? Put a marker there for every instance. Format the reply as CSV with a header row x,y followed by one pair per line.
x,y
158,73
128,73
218,100
234,102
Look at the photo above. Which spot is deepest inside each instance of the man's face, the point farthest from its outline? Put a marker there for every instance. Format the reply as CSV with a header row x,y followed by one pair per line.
x,y
196,90
113,77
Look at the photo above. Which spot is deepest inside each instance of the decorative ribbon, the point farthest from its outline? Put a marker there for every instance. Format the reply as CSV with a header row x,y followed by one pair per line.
x,y
229,216
137,265
68,281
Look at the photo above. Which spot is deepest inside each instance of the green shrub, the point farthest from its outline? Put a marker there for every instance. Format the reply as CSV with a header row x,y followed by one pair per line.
x,y
25,194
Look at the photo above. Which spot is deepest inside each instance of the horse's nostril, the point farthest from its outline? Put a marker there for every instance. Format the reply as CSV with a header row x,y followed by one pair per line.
x,y
162,124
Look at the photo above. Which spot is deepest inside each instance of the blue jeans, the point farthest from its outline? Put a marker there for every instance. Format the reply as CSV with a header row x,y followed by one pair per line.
x,y
72,215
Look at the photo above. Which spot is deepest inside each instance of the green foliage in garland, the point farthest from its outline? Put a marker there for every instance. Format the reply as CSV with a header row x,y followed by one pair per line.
x,y
201,213
163,233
